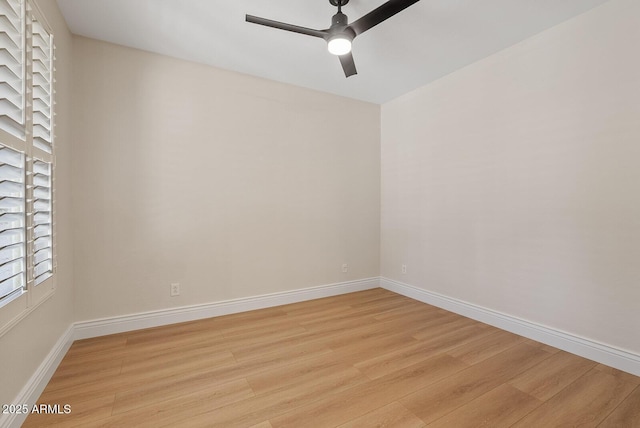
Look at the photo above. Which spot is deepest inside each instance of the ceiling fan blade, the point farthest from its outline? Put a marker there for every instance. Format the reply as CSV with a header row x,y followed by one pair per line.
x,y
287,27
348,65
380,14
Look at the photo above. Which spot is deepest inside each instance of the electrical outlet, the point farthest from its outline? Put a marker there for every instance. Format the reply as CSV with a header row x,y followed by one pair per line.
x,y
175,289
345,268
404,268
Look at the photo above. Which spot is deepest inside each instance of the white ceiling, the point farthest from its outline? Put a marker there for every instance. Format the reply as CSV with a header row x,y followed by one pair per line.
x,y
426,41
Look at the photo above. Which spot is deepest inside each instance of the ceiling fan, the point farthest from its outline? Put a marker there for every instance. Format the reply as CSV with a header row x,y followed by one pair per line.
x,y
340,35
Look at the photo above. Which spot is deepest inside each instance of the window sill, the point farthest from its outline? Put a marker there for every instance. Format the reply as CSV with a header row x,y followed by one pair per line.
x,y
25,312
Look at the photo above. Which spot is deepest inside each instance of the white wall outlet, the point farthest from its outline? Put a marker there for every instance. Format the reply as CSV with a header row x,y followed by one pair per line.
x,y
404,268
345,268
175,289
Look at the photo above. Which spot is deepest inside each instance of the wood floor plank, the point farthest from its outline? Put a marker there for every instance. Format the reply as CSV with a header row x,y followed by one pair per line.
x,y
429,331
342,338
627,414
539,345
361,351
163,391
67,369
500,407
71,361
182,406
82,414
342,407
552,375
366,311
301,316
179,366
264,424
209,356
135,356
371,358
169,332
383,298
135,382
250,317
294,345
266,406
485,347
409,308
75,379
286,354
419,322
335,301
447,395
295,373
266,335
85,387
264,327
96,345
627,377
248,349
340,323
142,393
390,416
407,354
81,393
586,402
171,343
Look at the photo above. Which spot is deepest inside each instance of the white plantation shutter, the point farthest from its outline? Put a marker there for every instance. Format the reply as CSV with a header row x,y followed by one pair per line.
x,y
27,162
42,234
12,223
12,67
42,82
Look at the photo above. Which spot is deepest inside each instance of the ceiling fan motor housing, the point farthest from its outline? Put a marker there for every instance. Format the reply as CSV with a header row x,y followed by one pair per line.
x,y
339,27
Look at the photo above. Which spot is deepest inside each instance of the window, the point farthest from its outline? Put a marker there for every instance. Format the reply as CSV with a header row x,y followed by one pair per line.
x,y
27,228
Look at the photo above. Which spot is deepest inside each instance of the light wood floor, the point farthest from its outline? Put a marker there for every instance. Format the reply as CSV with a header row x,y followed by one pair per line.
x,y
366,359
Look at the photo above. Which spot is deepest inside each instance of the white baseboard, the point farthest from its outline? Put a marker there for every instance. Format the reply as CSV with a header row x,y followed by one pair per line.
x,y
596,351
38,381
119,324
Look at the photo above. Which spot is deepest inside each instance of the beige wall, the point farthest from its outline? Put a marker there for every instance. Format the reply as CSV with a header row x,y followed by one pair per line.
x,y
514,183
231,185
24,347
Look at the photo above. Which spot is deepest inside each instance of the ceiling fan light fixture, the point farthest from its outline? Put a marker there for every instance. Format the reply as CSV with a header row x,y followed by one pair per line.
x,y
339,44
340,35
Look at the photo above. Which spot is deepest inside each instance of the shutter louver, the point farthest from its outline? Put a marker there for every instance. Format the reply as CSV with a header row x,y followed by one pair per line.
x,y
42,222
12,74
12,222
42,82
